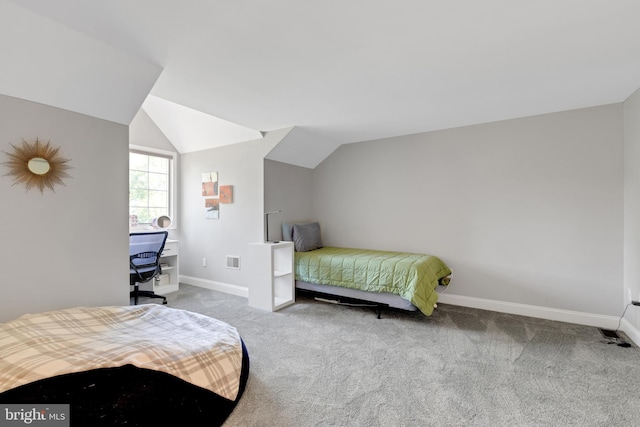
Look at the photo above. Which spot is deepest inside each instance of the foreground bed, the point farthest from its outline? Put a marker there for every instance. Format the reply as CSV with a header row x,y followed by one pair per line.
x,y
396,279
135,366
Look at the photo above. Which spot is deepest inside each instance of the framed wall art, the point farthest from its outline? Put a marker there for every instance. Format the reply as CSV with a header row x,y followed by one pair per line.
x,y
226,194
210,184
211,208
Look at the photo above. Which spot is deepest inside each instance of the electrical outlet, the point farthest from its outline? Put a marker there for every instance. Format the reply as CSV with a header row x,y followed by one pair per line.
x,y
204,264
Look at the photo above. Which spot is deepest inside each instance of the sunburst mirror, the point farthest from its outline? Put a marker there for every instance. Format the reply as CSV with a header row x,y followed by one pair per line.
x,y
36,164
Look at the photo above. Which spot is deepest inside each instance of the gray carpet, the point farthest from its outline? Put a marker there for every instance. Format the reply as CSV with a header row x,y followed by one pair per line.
x,y
318,364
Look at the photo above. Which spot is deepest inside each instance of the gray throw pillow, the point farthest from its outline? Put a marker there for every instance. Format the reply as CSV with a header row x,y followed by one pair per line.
x,y
287,230
306,237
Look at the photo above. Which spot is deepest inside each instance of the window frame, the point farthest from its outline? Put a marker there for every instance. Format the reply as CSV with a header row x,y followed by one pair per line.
x,y
172,156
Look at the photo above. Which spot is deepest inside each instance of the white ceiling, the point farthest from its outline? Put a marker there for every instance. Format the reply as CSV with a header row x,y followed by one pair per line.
x,y
192,130
336,71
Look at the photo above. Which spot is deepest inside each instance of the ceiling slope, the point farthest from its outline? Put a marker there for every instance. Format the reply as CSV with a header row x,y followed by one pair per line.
x,y
303,147
336,71
192,130
48,63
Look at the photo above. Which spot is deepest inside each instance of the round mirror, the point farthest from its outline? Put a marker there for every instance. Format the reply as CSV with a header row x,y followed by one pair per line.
x,y
163,222
39,166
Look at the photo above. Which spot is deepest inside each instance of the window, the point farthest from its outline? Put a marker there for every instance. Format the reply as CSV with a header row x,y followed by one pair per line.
x,y
150,184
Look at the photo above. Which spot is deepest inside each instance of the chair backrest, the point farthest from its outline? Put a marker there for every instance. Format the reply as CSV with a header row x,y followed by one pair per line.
x,y
144,254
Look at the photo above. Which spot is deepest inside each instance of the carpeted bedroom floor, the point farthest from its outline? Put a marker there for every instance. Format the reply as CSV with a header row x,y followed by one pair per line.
x,y
318,364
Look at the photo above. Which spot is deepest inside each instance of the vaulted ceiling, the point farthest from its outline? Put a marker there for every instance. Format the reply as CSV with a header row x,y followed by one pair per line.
x,y
336,71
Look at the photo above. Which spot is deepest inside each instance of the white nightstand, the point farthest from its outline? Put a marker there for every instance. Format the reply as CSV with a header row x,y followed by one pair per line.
x,y
272,284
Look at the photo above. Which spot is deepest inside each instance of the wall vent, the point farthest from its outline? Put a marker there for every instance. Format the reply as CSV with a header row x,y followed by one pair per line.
x,y
233,262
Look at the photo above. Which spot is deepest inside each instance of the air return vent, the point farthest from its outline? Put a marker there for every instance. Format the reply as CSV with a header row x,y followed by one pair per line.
x,y
233,262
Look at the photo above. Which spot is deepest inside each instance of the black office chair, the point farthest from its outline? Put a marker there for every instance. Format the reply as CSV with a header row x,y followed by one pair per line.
x,y
144,261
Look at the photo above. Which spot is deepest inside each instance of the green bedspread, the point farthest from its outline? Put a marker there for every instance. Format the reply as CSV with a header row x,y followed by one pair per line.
x,y
412,276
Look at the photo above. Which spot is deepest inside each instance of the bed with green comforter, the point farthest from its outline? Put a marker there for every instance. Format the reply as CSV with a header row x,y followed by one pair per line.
x,y
411,276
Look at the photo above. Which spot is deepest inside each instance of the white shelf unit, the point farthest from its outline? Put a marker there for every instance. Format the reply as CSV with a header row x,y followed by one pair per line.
x,y
168,281
272,284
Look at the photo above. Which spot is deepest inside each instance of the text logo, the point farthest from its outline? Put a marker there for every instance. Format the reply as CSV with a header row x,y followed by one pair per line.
x,y
41,415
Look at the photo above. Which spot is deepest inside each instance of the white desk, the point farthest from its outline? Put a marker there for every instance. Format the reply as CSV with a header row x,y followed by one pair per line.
x,y
168,281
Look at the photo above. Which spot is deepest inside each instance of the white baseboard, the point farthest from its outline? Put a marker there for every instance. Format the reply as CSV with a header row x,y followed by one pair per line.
x,y
227,288
577,317
632,332
580,318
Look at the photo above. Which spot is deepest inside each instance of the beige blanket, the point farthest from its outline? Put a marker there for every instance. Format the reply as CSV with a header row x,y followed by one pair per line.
x,y
196,348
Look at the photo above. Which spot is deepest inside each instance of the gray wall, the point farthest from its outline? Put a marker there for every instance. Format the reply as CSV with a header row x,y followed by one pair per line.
x,y
526,211
287,188
66,248
144,132
632,209
242,166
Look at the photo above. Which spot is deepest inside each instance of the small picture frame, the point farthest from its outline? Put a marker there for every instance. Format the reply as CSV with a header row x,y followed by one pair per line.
x,y
226,194
212,208
210,184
